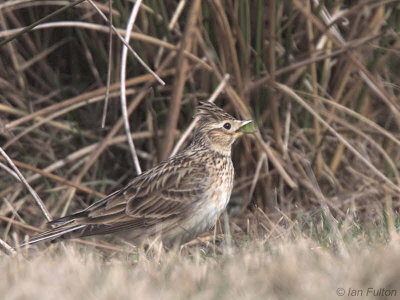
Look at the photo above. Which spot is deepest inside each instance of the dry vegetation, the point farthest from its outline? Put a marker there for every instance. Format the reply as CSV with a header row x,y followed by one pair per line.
x,y
316,198
283,270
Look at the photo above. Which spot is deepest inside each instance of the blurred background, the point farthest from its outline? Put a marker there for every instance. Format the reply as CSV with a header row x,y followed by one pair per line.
x,y
320,78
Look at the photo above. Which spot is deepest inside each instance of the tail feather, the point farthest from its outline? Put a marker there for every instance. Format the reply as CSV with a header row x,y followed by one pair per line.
x,y
52,234
68,227
67,219
83,213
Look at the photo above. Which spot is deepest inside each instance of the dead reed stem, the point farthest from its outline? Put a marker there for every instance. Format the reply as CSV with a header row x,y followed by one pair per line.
x,y
180,79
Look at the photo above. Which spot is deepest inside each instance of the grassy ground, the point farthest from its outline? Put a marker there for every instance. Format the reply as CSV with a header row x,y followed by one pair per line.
x,y
288,265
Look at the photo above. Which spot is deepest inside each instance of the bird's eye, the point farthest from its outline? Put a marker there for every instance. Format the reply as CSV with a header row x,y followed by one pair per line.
x,y
227,126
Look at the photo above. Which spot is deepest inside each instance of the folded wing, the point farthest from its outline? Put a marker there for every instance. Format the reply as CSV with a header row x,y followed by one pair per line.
x,y
162,195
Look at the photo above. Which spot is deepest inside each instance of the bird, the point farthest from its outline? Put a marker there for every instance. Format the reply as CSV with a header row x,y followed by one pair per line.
x,y
176,200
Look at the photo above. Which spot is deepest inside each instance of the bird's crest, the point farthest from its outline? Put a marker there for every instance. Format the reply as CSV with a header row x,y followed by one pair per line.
x,y
209,112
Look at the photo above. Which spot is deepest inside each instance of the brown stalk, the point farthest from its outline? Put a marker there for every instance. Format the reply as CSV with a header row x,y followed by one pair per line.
x,y
90,59
180,79
314,83
89,149
276,122
343,78
296,65
336,234
33,49
83,97
231,53
117,126
245,113
13,5
109,68
55,178
103,144
358,116
337,94
55,124
58,113
41,55
373,169
370,79
22,179
367,138
390,215
137,56
7,248
134,35
14,59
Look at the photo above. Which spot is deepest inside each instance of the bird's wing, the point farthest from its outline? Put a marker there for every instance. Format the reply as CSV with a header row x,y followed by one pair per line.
x,y
172,192
166,191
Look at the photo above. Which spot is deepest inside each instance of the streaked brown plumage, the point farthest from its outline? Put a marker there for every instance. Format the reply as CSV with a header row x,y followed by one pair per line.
x,y
176,200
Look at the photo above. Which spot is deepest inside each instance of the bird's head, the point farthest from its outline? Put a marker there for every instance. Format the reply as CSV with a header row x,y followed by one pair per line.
x,y
217,128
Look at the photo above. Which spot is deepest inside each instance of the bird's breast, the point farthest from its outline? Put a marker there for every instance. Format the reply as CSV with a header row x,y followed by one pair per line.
x,y
215,200
221,187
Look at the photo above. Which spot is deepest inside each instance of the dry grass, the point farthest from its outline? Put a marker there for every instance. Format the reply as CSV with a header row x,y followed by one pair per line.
x,y
316,203
260,269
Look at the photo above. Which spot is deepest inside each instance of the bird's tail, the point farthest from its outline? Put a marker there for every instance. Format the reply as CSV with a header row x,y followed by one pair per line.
x,y
62,228
54,233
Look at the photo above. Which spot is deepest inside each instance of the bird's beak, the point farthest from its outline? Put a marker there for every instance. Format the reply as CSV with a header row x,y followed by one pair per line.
x,y
246,126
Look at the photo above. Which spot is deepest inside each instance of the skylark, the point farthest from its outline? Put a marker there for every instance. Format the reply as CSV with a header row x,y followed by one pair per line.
x,y
176,200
